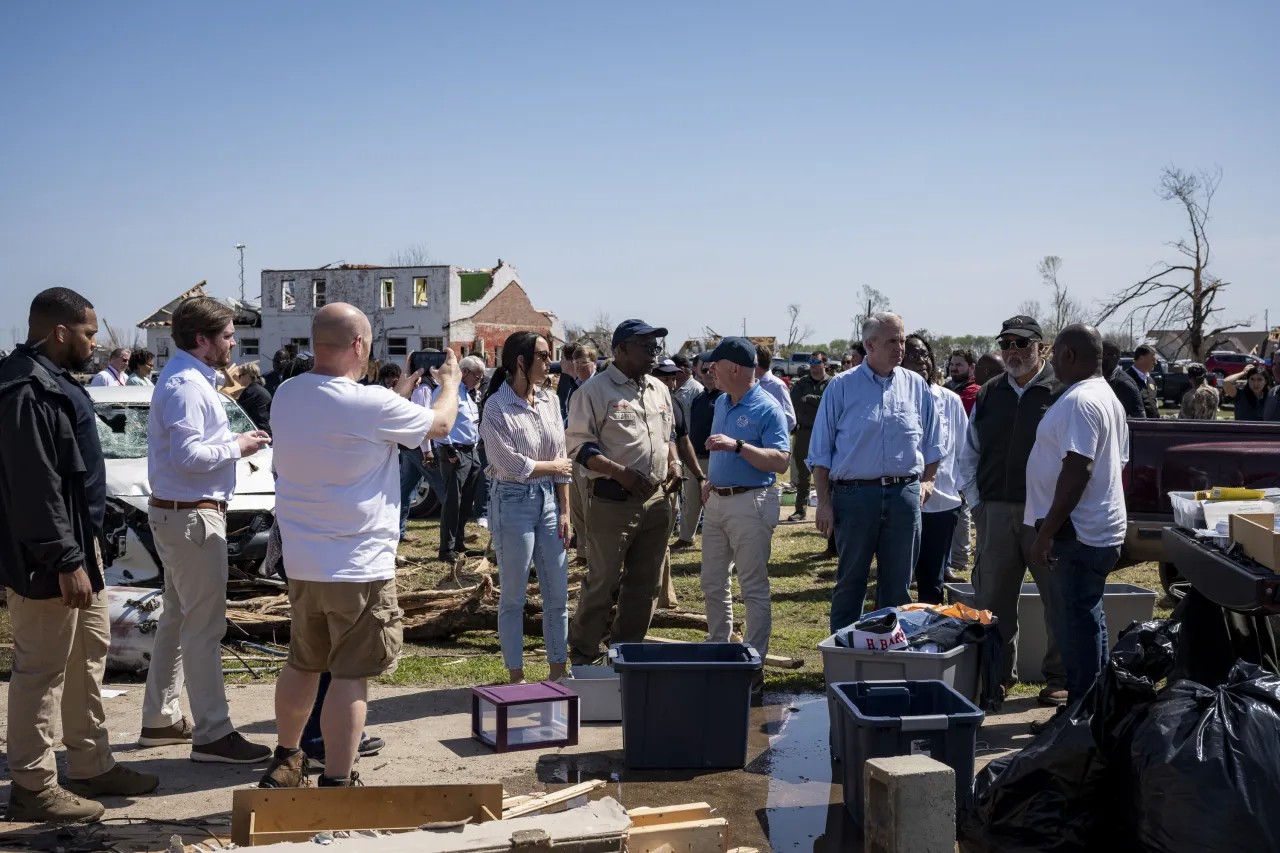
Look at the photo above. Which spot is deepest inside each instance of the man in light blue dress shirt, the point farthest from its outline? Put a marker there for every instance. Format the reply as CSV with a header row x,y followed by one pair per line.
x,y
874,455
458,461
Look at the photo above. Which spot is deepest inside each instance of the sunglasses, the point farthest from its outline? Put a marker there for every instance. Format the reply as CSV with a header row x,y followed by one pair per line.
x,y
1016,343
816,361
542,356
653,347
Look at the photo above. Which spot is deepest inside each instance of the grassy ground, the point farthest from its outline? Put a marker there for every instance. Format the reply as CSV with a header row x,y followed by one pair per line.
x,y
801,606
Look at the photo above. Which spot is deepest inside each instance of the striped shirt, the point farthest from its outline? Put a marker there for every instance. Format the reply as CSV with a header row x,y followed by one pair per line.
x,y
517,435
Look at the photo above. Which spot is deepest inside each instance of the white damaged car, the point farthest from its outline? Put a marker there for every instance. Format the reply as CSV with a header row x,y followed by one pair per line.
x,y
130,555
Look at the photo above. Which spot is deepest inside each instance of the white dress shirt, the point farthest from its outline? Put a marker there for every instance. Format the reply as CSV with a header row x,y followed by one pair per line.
x,y
777,389
108,376
952,425
191,451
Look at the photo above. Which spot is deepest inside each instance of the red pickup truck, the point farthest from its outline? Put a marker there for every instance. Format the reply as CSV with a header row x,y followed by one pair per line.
x,y
1184,456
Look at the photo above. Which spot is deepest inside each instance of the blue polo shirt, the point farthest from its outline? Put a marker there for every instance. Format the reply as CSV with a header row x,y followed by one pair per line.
x,y
756,419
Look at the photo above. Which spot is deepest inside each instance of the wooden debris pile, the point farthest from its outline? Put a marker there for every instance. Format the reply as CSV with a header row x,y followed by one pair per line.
x,y
438,614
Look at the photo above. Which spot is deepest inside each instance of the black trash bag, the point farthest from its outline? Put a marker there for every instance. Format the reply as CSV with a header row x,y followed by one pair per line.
x,y
1214,639
1205,766
1060,794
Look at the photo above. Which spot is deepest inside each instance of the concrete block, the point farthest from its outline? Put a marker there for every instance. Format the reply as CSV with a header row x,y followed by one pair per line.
x,y
909,805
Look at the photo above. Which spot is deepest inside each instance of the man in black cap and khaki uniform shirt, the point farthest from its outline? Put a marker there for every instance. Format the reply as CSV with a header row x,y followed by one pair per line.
x,y
620,428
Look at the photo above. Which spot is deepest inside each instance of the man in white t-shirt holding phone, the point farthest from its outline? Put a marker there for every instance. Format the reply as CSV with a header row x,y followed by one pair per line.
x,y
1075,501
337,503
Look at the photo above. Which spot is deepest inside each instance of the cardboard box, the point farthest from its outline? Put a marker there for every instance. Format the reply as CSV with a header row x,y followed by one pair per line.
x,y
1257,537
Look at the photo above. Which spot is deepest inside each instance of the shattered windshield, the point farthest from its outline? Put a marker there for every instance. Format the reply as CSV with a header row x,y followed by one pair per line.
x,y
122,427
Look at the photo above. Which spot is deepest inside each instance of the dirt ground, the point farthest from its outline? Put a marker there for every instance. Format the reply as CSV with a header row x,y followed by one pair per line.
x,y
785,799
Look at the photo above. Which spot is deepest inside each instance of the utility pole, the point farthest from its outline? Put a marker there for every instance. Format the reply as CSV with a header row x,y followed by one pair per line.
x,y
744,327
240,246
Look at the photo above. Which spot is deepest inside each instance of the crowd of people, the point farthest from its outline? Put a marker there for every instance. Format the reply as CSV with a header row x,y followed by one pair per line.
x,y
905,449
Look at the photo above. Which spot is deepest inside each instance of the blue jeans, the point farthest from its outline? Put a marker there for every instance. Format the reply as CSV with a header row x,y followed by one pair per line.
x,y
874,521
523,524
1072,594
412,470
936,532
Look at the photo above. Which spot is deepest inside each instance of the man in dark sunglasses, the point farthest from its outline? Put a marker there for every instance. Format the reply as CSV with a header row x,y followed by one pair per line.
x,y
992,473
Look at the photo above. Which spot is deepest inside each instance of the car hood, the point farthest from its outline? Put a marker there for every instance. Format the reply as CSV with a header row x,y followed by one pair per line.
x,y
255,487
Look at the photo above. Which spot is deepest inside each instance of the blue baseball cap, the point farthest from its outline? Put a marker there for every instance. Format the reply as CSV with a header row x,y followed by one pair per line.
x,y
629,329
736,350
666,367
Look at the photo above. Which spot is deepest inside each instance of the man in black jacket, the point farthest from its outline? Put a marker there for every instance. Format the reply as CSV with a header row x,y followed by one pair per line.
x,y
992,471
1125,387
1144,362
52,503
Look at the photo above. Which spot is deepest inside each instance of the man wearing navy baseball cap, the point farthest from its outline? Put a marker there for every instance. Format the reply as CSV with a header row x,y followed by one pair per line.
x,y
749,447
621,425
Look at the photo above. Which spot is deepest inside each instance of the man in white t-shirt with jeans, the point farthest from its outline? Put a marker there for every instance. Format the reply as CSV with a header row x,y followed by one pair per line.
x,y
1075,500
338,506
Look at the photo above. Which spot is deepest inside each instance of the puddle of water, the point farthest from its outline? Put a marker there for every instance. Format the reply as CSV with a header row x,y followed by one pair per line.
x,y
785,798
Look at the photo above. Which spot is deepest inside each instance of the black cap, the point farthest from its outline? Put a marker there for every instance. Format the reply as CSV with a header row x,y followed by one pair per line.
x,y
1023,327
1196,370
736,350
629,329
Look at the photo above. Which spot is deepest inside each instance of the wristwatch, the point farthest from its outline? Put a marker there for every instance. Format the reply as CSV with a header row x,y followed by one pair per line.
x,y
738,448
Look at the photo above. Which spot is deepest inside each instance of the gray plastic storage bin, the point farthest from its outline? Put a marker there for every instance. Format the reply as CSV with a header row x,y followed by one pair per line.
x,y
961,668
887,718
1122,603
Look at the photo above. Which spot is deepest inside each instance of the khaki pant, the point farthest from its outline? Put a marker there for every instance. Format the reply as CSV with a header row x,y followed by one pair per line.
x,y
627,543
59,655
691,502
738,533
578,507
192,544
667,591
1001,564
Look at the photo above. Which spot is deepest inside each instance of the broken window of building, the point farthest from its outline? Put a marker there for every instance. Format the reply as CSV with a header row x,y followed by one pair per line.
x,y
432,342
398,346
298,345
388,293
420,292
248,346
317,293
287,300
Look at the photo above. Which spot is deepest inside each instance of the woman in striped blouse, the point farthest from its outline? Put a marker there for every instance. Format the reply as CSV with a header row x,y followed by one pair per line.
x,y
529,472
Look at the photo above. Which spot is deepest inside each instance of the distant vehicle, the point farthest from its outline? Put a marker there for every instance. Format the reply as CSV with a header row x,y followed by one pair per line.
x,y
798,364
1226,364
778,364
1171,385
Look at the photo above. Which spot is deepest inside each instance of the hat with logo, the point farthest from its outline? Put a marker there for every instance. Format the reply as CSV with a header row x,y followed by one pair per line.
x,y
1023,326
666,367
736,350
629,329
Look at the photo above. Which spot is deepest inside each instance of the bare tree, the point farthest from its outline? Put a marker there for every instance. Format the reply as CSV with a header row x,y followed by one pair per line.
x,y
117,337
796,334
1031,308
1063,310
415,255
1180,296
870,301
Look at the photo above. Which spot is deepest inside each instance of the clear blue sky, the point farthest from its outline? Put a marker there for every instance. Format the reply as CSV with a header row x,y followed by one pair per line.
x,y
688,163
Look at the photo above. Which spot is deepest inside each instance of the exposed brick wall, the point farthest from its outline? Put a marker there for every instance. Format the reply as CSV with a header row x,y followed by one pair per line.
x,y
510,311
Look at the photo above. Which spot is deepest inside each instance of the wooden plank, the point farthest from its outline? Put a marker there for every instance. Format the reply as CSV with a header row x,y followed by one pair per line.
x,y
669,814
537,804
769,660
699,836
312,810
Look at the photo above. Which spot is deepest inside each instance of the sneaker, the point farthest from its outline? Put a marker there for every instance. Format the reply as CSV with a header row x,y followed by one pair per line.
x,y
288,769
1052,696
352,781
370,746
409,540
232,749
176,734
681,545
54,804
119,781
796,516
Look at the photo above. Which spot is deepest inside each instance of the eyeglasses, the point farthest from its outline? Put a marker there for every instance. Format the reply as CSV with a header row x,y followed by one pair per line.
x,y
652,347
542,356
1016,343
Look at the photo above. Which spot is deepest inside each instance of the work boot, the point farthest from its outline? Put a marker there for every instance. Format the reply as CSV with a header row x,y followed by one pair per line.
x,y
288,769
1052,695
352,781
951,577
119,781
231,749
796,516
681,545
178,733
54,804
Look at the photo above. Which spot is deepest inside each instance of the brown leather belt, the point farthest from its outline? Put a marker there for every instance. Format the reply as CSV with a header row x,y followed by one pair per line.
x,y
220,506
735,490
